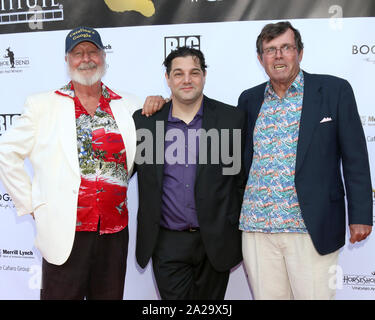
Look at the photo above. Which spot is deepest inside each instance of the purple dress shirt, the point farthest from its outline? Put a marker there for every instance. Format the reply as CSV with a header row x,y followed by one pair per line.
x,y
178,210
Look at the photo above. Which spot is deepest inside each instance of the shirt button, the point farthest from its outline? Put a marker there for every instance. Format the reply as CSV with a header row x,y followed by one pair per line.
x,y
187,166
187,186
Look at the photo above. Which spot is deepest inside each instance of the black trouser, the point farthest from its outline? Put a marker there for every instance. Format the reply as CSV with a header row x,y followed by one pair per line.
x,y
95,268
182,269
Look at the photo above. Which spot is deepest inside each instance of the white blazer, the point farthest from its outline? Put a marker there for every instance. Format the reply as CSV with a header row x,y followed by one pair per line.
x,y
46,134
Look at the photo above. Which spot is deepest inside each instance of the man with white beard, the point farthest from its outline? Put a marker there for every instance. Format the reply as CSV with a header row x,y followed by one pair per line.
x,y
81,143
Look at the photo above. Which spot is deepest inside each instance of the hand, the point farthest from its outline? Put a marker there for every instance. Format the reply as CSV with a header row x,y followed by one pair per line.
x,y
153,104
359,232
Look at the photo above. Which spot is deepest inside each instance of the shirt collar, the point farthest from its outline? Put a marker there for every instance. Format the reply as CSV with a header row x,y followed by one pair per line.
x,y
105,98
295,88
173,119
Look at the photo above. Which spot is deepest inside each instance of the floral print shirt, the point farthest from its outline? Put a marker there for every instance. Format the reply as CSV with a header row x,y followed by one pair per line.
x,y
270,201
102,199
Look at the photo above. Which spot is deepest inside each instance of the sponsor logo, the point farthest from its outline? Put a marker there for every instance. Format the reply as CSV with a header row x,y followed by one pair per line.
x,y
17,253
10,62
7,120
173,42
32,12
108,49
368,120
363,120
34,271
6,201
364,50
360,282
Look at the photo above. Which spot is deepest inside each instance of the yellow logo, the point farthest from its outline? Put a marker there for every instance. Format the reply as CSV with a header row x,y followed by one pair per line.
x,y
145,7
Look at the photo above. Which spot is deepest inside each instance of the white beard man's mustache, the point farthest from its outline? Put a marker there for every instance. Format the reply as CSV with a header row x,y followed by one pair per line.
x,y
87,66
87,80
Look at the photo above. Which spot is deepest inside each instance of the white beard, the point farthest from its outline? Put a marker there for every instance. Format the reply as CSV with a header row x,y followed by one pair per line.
x,y
78,75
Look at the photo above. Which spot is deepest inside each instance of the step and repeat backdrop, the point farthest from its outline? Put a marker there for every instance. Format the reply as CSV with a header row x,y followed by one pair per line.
x,y
138,34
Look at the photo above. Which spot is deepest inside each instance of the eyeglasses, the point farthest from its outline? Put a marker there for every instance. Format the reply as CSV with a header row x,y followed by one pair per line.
x,y
286,49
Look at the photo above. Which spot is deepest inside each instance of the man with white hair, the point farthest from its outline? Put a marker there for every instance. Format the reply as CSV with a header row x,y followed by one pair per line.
x,y
81,142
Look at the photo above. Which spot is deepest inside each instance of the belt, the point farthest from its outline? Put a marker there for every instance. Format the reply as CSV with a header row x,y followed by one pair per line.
x,y
192,229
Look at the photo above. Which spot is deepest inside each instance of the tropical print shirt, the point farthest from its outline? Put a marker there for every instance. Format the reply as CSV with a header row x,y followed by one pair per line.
x,y
102,199
270,201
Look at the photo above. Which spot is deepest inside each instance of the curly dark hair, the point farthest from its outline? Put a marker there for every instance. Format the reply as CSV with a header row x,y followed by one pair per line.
x,y
185,52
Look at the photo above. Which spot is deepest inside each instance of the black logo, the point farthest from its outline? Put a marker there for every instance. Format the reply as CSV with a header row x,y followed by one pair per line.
x,y
6,120
17,253
11,63
6,201
10,55
173,42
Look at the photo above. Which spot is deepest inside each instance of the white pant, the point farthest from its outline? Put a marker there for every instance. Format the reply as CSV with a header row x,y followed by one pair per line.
x,y
287,266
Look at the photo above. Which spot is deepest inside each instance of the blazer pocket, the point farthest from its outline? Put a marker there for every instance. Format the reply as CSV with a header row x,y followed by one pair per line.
x,y
327,137
38,208
327,122
326,127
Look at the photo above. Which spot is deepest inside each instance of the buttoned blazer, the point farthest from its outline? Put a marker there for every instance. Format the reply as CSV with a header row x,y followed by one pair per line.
x,y
218,197
327,152
46,134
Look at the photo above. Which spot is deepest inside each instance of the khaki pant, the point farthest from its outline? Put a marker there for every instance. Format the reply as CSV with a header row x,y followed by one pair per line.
x,y
284,266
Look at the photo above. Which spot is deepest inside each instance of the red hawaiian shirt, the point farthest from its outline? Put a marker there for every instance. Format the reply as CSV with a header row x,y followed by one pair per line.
x,y
102,199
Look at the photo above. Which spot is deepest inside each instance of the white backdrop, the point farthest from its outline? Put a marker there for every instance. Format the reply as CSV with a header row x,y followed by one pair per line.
x,y
135,56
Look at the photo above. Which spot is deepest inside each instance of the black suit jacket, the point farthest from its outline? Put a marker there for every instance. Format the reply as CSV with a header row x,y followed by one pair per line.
x,y
218,197
322,148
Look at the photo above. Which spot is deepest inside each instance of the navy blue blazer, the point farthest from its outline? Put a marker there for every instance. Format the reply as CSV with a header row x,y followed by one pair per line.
x,y
218,197
327,152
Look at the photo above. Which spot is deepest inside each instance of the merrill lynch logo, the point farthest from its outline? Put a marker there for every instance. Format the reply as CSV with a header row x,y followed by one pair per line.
x,y
5,253
368,120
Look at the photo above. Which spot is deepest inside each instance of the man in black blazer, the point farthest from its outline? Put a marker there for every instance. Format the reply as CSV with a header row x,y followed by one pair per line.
x,y
293,213
190,182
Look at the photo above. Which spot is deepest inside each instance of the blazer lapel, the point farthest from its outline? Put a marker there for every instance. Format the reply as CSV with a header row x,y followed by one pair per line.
x,y
257,103
126,127
68,131
161,117
309,117
252,109
208,122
